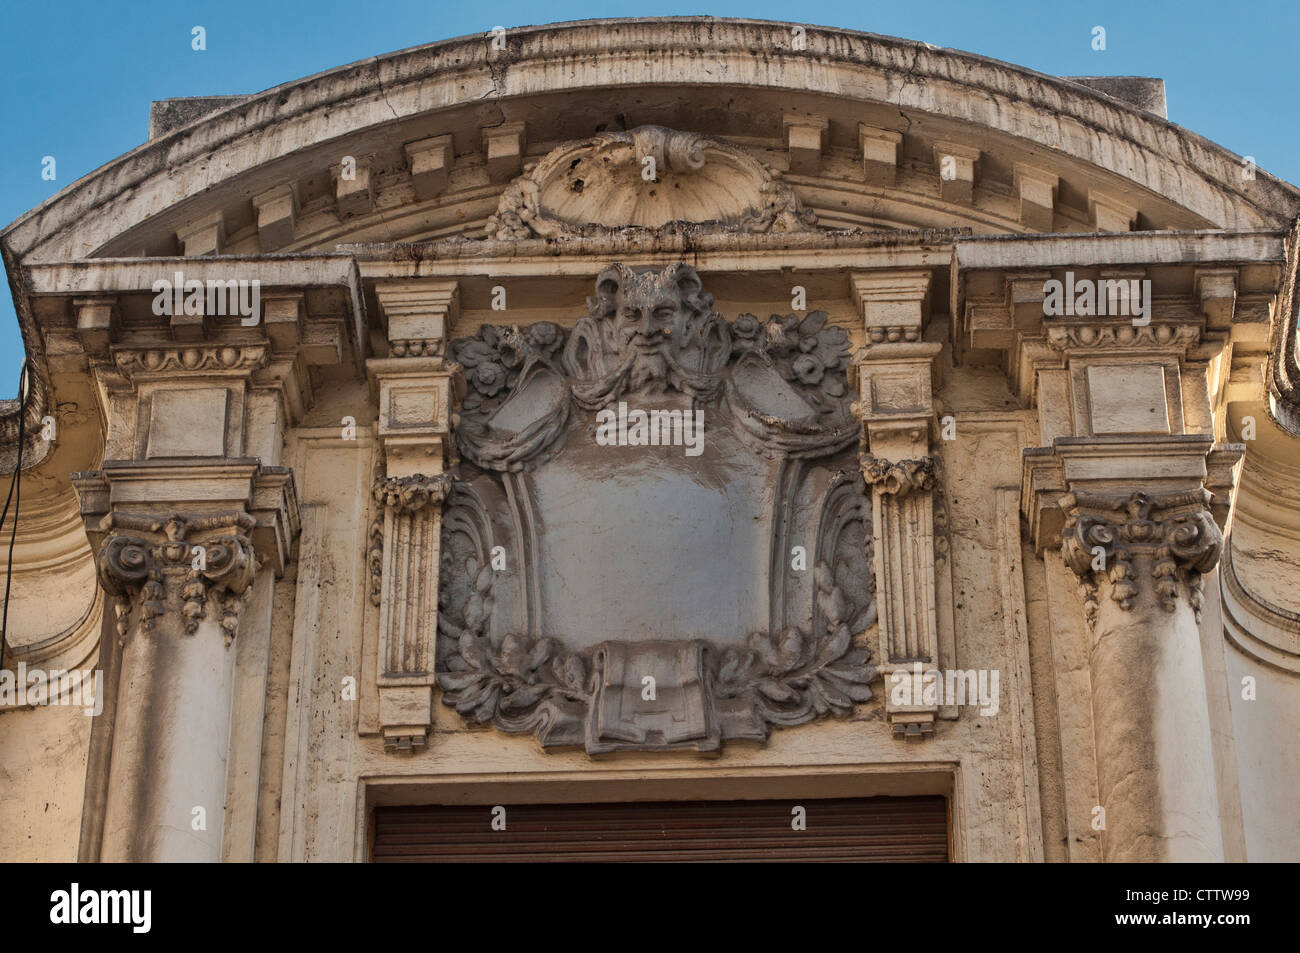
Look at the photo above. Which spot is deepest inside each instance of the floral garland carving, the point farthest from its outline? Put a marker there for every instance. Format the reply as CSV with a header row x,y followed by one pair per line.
x,y
519,683
494,358
805,352
793,676
375,560
523,684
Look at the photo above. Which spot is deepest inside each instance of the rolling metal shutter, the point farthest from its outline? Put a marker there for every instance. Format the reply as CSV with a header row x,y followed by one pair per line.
x,y
898,829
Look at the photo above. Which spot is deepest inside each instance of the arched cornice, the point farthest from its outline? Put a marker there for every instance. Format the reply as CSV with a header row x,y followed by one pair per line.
x,y
257,142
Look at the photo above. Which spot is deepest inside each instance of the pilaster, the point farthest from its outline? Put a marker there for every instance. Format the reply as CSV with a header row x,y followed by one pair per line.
x,y
416,390
187,509
896,373
1133,489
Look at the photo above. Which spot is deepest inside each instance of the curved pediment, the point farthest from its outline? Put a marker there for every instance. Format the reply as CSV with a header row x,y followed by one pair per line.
x,y
402,148
648,177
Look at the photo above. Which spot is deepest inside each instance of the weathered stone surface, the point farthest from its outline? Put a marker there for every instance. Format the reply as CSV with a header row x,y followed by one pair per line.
x,y
368,537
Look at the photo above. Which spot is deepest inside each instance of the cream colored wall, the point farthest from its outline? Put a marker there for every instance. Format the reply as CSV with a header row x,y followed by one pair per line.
x,y
54,625
42,778
1265,734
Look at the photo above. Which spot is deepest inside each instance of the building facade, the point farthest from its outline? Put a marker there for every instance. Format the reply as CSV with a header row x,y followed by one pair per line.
x,y
595,426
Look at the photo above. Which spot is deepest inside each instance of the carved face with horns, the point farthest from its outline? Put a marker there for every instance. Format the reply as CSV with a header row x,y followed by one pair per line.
x,y
659,320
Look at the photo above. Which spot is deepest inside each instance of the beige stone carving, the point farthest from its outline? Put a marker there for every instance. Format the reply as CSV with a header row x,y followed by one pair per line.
x,y
650,177
157,562
1174,531
899,478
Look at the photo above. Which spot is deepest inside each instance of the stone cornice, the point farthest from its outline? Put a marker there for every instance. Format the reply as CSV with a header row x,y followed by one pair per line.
x,y
98,276
529,255
1284,350
1120,249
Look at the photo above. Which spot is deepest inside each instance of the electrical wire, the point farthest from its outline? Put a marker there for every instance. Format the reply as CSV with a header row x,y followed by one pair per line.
x,y
15,495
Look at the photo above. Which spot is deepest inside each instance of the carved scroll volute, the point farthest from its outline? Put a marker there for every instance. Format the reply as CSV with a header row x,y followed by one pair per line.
x,y
159,565
896,406
1172,536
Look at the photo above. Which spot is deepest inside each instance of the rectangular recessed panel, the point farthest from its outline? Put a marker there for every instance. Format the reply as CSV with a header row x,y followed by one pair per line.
x,y
188,423
1128,398
884,829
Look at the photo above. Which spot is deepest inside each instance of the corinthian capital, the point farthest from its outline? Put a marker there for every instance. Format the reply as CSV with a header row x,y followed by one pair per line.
x,y
410,493
174,563
898,478
1109,533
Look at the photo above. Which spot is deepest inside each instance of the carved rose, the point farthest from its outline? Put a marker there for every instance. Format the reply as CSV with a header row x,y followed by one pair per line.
x,y
833,347
488,379
803,351
745,328
495,357
808,369
471,352
544,337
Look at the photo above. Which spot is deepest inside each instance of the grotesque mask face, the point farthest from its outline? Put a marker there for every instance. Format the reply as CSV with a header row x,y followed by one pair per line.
x,y
651,318
646,316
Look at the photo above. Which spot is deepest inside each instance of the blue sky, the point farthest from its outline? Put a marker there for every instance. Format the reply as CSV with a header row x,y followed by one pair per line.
x,y
79,77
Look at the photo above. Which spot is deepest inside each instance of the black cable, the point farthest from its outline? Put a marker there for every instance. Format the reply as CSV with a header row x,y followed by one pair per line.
x,y
16,495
